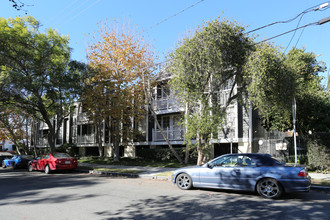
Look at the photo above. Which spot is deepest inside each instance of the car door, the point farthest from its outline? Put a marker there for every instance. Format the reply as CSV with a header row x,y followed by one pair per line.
x,y
42,162
248,172
221,173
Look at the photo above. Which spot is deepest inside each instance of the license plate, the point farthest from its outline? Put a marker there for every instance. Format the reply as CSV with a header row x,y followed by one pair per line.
x,y
67,162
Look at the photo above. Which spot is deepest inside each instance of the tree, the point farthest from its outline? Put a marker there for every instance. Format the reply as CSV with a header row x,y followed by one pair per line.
x,y
202,65
312,100
121,61
14,126
274,79
36,74
18,5
270,86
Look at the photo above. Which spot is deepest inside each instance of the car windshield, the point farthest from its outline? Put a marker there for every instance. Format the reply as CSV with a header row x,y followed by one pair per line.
x,y
61,155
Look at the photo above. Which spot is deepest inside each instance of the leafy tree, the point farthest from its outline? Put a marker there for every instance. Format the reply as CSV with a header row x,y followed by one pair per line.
x,y
270,86
14,126
121,61
312,101
202,65
274,79
36,74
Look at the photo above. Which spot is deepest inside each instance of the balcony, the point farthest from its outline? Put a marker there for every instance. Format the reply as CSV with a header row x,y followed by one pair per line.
x,y
42,142
86,139
167,105
82,118
172,134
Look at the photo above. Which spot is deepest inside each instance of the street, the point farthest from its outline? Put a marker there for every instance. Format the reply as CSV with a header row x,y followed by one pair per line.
x,y
66,195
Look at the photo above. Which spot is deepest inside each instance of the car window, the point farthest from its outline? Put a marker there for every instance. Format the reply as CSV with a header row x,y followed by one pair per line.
x,y
61,155
45,156
247,161
226,161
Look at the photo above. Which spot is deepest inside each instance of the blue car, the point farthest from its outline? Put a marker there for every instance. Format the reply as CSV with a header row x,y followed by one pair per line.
x,y
17,161
249,172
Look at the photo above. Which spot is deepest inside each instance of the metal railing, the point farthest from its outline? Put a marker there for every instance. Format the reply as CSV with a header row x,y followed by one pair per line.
x,y
172,134
168,104
86,139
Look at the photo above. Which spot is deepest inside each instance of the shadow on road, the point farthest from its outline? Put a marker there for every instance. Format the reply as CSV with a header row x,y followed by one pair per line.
x,y
214,204
28,185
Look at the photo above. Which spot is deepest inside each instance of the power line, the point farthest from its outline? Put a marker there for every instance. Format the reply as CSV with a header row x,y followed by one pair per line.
x,y
314,23
321,7
166,19
320,22
82,11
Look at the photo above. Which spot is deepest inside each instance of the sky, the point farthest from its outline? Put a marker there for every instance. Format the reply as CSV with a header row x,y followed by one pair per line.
x,y
165,22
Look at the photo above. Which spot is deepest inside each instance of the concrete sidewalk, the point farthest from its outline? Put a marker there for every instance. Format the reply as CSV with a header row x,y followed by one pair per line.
x,y
320,176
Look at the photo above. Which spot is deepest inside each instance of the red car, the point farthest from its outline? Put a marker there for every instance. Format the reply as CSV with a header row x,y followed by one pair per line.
x,y
49,162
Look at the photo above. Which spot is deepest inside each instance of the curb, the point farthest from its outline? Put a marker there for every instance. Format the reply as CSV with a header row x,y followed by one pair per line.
x,y
114,174
127,175
320,188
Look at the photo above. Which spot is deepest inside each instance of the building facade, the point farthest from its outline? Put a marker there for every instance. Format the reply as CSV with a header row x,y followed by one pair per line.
x,y
241,132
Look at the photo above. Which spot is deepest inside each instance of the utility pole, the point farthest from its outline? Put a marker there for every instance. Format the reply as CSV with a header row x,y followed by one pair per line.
x,y
294,130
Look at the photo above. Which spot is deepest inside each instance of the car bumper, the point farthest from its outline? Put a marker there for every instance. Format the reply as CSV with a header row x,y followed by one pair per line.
x,y
296,185
65,166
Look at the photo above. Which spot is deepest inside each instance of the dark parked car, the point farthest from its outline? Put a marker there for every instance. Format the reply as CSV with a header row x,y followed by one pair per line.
x,y
49,162
17,161
251,172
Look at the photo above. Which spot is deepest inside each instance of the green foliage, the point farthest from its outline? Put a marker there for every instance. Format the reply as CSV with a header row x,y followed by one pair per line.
x,y
36,74
318,152
164,154
274,79
202,65
270,86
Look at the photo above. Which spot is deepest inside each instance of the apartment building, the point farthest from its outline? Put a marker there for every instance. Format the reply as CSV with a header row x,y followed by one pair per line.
x,y
240,133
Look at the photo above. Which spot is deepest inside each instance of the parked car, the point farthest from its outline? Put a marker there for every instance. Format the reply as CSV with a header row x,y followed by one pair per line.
x,y
17,161
5,155
250,172
49,162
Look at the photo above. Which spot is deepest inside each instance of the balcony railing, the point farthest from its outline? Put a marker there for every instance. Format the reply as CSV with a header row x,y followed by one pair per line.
x,y
86,139
82,117
170,104
42,141
172,134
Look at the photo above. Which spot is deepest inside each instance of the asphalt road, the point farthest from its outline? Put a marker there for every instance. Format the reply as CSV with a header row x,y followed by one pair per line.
x,y
80,196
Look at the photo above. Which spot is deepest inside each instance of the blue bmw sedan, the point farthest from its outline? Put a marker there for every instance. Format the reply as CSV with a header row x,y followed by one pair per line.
x,y
250,172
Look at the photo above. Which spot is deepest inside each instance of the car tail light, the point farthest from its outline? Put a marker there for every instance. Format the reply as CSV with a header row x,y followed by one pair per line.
x,y
303,173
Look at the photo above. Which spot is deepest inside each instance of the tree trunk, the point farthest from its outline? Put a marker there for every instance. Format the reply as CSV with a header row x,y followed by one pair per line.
x,y
51,138
99,139
199,150
147,94
116,156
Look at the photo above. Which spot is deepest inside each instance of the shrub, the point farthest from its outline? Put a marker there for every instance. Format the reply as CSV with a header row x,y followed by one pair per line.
x,y
318,149
160,154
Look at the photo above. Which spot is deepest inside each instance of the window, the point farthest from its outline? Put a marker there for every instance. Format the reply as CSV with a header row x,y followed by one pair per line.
x,y
166,122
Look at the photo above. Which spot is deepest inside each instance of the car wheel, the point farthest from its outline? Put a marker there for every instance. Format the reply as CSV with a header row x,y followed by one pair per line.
x,y
183,181
47,170
14,165
3,164
30,168
269,188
